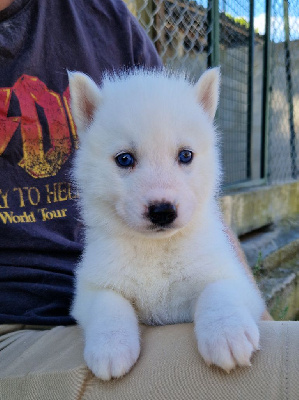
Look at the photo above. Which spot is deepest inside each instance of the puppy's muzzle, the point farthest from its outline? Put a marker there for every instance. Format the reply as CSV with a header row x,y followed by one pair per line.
x,y
162,214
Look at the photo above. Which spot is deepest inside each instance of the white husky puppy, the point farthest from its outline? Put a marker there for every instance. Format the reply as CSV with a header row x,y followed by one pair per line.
x,y
156,251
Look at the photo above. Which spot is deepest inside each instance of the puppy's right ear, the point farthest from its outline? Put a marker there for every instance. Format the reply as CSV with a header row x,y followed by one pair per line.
x,y
207,91
85,99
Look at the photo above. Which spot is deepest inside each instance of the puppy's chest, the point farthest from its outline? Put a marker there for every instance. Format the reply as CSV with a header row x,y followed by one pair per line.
x,y
161,293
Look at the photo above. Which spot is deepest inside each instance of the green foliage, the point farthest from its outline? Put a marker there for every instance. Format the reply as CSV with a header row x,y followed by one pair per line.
x,y
279,310
283,313
240,21
258,265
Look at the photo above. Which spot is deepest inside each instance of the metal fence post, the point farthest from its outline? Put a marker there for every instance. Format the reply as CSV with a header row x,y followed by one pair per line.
x,y
250,87
266,89
213,35
288,68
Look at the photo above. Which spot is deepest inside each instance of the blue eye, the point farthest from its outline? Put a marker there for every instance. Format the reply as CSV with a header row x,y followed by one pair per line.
x,y
185,156
125,160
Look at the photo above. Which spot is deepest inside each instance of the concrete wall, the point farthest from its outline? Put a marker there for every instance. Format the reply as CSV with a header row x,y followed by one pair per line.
x,y
252,209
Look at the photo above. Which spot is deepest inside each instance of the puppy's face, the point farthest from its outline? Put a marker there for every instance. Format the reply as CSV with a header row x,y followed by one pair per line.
x,y
147,156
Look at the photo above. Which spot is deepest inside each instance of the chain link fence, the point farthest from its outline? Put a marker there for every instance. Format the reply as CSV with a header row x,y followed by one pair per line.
x,y
233,116
179,29
259,121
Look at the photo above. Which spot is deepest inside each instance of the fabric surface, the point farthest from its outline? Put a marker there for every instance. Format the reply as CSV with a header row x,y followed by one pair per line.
x,y
49,365
41,235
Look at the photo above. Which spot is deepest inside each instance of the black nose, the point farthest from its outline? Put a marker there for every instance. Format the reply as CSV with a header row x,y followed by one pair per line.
x,y
162,213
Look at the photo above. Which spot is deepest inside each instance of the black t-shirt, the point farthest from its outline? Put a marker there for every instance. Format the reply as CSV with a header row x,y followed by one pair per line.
x,y
40,230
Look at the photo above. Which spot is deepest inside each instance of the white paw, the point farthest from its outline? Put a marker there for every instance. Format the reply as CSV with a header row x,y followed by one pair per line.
x,y
111,354
228,340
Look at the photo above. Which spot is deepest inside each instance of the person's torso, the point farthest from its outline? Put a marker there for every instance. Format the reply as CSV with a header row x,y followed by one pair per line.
x,y
41,233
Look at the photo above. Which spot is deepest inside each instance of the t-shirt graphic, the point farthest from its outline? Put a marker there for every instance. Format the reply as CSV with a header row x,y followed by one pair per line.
x,y
48,137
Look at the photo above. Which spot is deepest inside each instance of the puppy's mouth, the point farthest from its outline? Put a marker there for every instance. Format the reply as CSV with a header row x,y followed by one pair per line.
x,y
158,228
161,231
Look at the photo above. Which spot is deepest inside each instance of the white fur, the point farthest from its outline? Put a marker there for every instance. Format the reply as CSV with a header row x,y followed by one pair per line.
x,y
130,270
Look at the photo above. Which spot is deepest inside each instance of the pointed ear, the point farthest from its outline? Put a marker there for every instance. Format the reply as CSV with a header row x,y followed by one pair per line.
x,y
207,91
85,99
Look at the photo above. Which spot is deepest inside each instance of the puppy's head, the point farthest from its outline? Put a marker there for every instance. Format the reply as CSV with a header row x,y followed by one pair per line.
x,y
147,159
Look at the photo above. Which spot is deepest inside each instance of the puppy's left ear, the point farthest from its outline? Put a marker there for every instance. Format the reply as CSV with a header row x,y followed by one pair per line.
x,y
85,99
207,91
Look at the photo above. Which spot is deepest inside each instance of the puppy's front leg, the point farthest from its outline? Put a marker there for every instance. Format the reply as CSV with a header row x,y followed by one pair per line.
x,y
225,320
110,325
